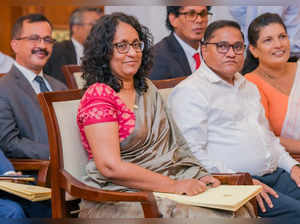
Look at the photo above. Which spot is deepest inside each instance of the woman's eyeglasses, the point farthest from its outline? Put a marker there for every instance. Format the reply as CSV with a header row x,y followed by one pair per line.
x,y
123,47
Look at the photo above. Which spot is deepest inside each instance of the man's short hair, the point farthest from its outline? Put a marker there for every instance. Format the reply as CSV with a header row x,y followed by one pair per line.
x,y
30,18
175,10
214,26
76,16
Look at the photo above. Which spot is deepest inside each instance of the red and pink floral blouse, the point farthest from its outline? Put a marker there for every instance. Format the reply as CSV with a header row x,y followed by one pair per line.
x,y
100,103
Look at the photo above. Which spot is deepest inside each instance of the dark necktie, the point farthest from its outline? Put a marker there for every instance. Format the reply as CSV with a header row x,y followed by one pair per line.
x,y
197,60
42,83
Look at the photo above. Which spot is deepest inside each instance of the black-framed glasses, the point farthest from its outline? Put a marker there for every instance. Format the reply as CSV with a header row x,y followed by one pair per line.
x,y
223,47
193,15
123,47
35,39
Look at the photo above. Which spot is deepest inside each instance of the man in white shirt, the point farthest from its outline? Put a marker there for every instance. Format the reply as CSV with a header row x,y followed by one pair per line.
x,y
5,63
71,51
179,53
220,115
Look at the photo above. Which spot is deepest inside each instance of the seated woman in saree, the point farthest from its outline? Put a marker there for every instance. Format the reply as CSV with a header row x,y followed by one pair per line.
x,y
276,78
132,143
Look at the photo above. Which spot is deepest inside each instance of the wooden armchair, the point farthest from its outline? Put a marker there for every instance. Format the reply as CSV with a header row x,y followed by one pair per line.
x,y
72,75
68,159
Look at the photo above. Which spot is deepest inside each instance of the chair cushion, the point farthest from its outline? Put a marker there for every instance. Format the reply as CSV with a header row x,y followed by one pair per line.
x,y
73,150
79,80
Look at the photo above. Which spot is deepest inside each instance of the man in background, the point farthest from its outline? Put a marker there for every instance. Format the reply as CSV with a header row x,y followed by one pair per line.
x,y
23,131
179,53
71,51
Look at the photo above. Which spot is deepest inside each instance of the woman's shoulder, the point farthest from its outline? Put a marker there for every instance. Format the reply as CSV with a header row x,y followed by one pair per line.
x,y
254,78
99,91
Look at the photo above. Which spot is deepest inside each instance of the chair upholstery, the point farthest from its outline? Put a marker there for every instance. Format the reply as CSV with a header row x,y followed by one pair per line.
x,y
165,86
72,75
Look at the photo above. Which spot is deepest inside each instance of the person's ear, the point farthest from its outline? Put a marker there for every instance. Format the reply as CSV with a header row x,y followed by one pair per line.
x,y
14,45
253,50
173,20
203,50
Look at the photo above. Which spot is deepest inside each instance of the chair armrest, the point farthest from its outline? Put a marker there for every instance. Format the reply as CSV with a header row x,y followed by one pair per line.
x,y
234,178
33,165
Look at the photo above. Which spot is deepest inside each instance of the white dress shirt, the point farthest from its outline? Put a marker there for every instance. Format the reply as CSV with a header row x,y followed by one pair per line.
x,y
78,49
30,75
189,52
225,125
5,63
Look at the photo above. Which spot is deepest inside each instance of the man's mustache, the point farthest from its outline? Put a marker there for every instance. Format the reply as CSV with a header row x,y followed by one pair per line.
x,y
40,50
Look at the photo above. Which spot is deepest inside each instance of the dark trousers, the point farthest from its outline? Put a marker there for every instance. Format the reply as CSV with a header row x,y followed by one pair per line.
x,y
287,205
12,206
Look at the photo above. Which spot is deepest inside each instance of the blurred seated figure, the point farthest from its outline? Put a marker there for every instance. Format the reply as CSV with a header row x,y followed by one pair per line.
x,y
15,207
70,51
5,63
131,142
179,53
290,15
276,78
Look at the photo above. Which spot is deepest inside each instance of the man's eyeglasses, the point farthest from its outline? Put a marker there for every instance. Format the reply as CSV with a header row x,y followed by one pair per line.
x,y
223,47
35,39
123,47
193,15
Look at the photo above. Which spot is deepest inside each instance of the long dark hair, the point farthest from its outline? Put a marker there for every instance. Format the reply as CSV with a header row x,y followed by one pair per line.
x,y
254,29
98,50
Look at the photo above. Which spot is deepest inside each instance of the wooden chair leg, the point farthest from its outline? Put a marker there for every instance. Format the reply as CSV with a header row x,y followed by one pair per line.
x,y
150,208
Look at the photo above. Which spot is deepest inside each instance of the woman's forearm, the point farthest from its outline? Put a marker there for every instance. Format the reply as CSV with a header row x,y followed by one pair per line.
x,y
134,176
291,145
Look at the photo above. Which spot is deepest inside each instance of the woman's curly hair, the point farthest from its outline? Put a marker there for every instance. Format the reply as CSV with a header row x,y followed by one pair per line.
x,y
98,51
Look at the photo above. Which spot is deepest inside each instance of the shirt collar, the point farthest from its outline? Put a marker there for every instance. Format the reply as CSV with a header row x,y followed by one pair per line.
x,y
212,77
187,48
29,75
77,44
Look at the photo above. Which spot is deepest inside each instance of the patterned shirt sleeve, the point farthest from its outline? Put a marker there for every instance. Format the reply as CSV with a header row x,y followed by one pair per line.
x,y
98,105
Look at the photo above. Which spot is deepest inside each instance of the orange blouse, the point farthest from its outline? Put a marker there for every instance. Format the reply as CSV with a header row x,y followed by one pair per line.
x,y
274,102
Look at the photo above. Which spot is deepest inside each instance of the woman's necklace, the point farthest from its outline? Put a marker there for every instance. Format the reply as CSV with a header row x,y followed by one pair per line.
x,y
273,80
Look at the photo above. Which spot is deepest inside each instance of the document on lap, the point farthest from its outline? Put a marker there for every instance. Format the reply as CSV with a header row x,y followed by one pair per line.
x,y
225,197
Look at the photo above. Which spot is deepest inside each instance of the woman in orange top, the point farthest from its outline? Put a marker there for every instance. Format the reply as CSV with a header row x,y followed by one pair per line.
x,y
275,77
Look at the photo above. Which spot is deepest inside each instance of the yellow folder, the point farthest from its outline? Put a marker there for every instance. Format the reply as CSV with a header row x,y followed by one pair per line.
x,y
30,192
225,197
